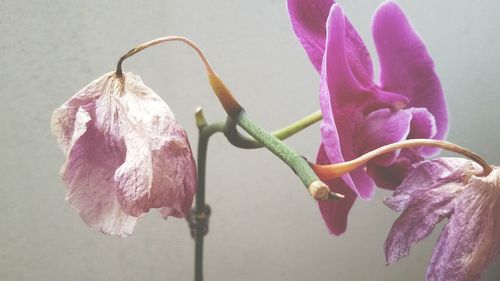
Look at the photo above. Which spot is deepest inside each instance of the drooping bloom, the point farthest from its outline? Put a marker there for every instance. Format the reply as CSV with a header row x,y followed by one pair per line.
x,y
448,188
125,154
360,114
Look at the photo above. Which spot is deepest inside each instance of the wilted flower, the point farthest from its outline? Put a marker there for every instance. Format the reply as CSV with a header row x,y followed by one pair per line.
x,y
125,154
448,188
359,114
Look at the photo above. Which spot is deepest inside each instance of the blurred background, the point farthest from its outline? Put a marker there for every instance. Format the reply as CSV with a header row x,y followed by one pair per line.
x,y
264,226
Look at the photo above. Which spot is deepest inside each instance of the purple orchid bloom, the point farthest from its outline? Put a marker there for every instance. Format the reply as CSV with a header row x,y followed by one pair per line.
x,y
360,114
448,188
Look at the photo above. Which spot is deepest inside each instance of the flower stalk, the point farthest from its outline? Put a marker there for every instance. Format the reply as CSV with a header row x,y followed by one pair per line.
x,y
242,141
198,223
299,165
332,171
198,219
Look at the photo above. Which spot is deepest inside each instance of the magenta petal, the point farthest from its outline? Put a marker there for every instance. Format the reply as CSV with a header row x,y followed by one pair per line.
x,y
423,126
335,93
340,79
308,19
335,212
471,239
382,127
329,134
391,176
357,180
88,173
406,67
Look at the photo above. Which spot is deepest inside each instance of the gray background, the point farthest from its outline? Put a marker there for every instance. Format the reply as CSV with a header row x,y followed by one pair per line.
x,y
264,225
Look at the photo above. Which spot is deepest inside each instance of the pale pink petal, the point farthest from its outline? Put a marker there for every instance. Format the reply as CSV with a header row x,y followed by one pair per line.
x,y
88,173
471,239
335,212
419,219
406,67
63,118
309,18
174,175
120,141
158,154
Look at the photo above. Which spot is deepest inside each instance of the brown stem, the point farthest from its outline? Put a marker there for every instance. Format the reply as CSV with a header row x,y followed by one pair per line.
x,y
231,106
157,41
326,172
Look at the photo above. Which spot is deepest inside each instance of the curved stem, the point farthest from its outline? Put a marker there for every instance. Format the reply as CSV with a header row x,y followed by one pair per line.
x,y
225,97
242,141
157,41
299,164
201,211
326,172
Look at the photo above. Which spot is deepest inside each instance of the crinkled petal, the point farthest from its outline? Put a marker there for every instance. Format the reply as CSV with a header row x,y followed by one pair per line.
x,y
64,117
426,175
419,219
120,142
335,212
406,67
174,175
88,173
156,147
309,19
471,239
382,127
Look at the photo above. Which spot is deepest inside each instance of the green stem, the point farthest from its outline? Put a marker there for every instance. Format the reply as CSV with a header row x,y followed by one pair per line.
x,y
299,165
202,211
242,141
205,132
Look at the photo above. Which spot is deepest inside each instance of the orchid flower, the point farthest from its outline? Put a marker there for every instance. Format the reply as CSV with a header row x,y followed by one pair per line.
x,y
125,154
448,188
360,114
